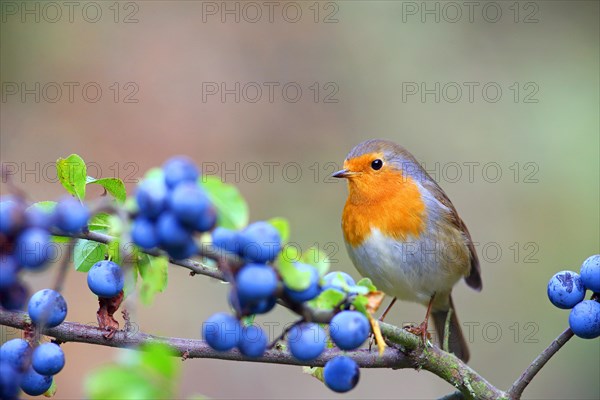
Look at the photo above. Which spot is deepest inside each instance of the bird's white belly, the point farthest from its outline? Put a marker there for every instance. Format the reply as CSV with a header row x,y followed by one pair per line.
x,y
411,271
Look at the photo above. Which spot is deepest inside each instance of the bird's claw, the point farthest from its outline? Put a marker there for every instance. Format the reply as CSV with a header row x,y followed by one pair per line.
x,y
419,330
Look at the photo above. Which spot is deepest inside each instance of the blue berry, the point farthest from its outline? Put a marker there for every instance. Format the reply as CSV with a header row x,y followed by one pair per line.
x,y
207,220
105,279
11,215
14,297
171,233
337,280
311,291
48,307
178,170
70,215
222,332
39,218
186,250
226,239
566,289
256,282
349,329
151,197
8,271
261,306
144,233
590,273
341,374
584,319
35,384
9,381
306,341
48,359
260,242
253,341
189,203
17,353
32,248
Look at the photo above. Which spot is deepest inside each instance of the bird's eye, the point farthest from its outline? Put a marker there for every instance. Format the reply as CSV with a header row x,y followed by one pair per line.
x,y
377,164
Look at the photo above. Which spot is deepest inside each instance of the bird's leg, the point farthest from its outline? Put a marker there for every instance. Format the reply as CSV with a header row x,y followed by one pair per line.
x,y
381,318
387,310
421,329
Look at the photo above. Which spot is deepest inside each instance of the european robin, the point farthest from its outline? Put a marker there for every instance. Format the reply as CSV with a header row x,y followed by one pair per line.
x,y
403,233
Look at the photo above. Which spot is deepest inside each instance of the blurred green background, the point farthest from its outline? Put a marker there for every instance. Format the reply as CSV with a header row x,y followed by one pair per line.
x,y
357,64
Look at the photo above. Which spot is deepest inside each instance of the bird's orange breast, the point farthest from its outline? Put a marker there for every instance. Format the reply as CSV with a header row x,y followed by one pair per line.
x,y
387,201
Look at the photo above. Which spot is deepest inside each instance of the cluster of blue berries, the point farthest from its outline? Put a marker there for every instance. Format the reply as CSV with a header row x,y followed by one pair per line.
x,y
257,285
29,369
567,289
25,241
25,245
171,208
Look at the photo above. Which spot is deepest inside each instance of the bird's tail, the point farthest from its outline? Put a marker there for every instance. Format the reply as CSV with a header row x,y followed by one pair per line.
x,y
456,341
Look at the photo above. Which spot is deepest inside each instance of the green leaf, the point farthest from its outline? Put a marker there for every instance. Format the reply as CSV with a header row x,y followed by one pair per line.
x,y
232,210
316,372
71,172
46,206
61,239
158,357
293,277
366,282
154,273
328,299
114,251
154,173
114,186
51,390
150,373
130,205
116,383
317,258
360,303
283,227
99,222
131,278
88,253
357,289
248,320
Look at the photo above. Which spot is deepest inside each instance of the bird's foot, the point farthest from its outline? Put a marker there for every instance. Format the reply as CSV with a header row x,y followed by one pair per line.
x,y
419,330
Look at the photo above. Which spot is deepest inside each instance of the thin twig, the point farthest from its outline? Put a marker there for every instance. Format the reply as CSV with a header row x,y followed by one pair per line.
x,y
283,333
194,266
73,332
446,337
64,267
520,384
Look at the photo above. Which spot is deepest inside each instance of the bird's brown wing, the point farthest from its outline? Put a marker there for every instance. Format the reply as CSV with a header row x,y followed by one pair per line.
x,y
474,278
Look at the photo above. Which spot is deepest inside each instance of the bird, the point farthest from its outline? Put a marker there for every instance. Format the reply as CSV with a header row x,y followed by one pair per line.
x,y
402,231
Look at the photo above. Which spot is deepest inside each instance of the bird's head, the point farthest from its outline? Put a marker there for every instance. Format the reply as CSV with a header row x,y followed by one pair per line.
x,y
377,168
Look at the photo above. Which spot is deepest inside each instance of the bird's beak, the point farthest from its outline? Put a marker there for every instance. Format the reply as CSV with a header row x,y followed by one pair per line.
x,y
343,173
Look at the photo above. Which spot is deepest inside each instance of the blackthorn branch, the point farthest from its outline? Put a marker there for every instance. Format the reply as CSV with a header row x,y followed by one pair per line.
x,y
405,355
405,351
